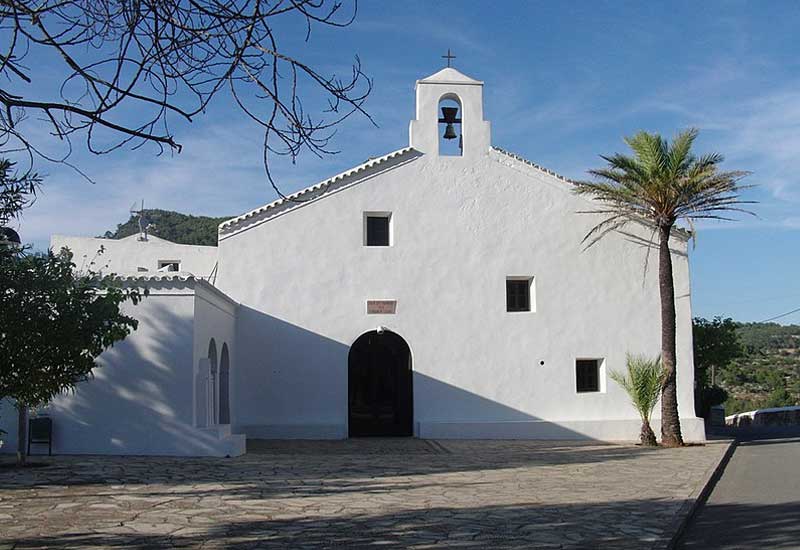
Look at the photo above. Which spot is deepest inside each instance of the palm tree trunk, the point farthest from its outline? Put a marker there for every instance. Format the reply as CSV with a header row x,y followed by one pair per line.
x,y
22,433
647,436
670,421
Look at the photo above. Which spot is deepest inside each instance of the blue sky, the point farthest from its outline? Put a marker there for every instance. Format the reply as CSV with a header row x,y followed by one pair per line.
x,y
564,82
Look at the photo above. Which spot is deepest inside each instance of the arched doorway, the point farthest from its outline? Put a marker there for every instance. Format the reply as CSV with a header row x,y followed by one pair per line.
x,y
380,390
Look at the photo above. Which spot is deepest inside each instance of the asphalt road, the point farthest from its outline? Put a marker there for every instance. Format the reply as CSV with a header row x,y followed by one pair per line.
x,y
756,502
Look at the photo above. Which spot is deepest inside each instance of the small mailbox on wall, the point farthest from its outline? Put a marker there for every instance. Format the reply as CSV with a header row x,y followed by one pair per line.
x,y
40,432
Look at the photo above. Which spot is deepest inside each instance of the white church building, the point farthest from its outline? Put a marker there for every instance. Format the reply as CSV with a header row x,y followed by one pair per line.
x,y
439,291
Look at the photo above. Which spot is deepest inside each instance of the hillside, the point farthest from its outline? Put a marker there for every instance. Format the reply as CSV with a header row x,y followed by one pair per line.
x,y
173,226
768,373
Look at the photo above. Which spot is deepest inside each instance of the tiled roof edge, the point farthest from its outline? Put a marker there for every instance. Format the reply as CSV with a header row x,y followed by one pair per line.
x,y
290,200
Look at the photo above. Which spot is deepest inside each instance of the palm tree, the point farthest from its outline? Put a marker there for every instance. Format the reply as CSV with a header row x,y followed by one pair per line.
x,y
643,382
660,184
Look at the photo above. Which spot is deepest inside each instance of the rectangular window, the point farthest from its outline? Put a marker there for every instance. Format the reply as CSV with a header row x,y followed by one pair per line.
x,y
377,229
169,265
587,375
518,294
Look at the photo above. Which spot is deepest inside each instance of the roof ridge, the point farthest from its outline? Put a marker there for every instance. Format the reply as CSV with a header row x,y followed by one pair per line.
x,y
157,276
685,233
539,167
192,280
321,186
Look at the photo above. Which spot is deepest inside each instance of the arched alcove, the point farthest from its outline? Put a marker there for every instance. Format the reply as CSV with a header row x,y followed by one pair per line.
x,y
224,386
451,139
212,383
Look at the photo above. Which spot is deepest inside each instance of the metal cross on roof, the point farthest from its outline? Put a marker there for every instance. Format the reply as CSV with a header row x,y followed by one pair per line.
x,y
449,57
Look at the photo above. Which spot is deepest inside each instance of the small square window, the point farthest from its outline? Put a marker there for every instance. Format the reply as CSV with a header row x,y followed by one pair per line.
x,y
587,375
169,265
518,294
377,229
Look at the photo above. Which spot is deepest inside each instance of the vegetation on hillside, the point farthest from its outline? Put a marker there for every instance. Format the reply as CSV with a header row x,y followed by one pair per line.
x,y
747,365
173,226
768,373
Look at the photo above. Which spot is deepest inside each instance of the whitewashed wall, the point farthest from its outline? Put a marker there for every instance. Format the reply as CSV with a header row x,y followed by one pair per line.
x,y
214,317
461,225
140,400
128,254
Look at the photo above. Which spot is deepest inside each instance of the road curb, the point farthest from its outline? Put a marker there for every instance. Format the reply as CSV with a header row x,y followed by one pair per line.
x,y
692,503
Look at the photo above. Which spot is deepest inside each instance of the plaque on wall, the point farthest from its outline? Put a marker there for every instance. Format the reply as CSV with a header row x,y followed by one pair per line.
x,y
381,306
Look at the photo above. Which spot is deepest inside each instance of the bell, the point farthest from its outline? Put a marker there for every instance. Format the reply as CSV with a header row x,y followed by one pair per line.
x,y
449,114
449,117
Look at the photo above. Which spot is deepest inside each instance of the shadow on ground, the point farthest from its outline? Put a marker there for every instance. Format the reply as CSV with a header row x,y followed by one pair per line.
x,y
355,494
531,526
360,464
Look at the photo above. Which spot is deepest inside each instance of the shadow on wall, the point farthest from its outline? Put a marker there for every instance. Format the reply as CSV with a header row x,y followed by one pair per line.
x,y
293,383
140,399
495,526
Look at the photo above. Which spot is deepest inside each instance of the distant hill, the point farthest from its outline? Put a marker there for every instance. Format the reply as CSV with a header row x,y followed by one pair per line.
x,y
173,226
768,375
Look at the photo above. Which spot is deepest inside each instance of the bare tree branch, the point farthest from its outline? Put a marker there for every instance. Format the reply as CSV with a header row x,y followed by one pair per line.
x,y
129,67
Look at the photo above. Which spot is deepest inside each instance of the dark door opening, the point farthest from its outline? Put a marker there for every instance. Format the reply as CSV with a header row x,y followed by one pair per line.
x,y
381,399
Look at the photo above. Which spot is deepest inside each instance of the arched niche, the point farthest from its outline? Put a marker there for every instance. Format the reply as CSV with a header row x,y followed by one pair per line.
x,y
212,383
224,386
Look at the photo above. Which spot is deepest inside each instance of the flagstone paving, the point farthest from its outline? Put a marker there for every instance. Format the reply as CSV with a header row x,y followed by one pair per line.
x,y
403,493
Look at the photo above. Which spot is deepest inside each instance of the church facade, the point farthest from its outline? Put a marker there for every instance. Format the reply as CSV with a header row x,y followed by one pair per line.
x,y
439,291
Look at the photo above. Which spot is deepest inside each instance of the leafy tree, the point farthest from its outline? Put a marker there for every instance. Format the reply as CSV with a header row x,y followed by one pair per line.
x,y
659,185
643,383
16,191
716,344
54,322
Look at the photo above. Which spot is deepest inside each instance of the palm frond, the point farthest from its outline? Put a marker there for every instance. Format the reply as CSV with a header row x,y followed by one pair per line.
x,y
662,183
651,151
642,382
680,151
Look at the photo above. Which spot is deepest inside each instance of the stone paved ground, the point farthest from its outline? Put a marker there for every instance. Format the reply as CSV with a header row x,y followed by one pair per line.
x,y
356,494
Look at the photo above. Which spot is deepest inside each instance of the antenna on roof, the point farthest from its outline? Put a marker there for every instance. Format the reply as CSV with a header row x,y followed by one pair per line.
x,y
143,223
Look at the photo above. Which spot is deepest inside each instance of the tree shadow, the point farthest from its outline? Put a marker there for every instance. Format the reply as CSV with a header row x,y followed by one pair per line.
x,y
299,469
292,382
625,524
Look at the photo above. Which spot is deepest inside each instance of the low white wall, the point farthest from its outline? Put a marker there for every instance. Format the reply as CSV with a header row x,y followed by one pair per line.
x,y
129,254
775,416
